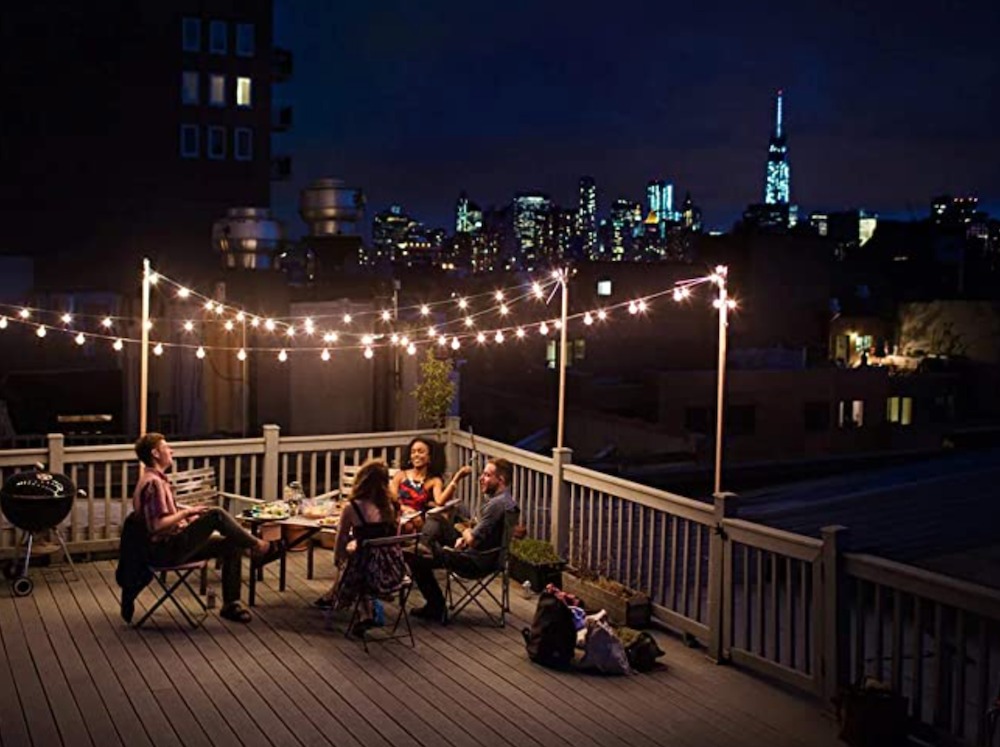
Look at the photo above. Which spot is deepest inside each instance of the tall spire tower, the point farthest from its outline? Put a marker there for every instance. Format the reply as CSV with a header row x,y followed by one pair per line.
x,y
776,184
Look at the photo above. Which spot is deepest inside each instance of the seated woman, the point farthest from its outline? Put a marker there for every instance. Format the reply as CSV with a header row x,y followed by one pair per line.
x,y
419,486
371,514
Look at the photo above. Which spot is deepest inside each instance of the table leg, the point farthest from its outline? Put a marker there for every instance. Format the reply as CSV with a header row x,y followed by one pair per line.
x,y
309,558
281,571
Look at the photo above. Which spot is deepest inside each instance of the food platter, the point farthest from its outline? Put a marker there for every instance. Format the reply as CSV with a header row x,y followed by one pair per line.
x,y
271,511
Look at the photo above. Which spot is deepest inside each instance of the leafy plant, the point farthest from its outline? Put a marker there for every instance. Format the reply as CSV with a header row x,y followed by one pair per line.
x,y
535,552
436,391
599,574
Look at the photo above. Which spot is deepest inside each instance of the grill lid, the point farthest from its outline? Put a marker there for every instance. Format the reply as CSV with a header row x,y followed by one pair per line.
x,y
38,484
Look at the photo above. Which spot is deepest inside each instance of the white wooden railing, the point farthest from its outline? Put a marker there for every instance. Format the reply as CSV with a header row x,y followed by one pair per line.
x,y
795,608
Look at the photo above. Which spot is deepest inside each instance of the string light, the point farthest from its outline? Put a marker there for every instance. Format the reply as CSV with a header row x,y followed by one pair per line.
x,y
498,295
481,338
209,305
411,348
189,326
499,336
347,318
269,325
149,324
394,339
67,318
183,293
24,314
367,340
199,353
118,344
431,332
469,321
219,308
504,310
463,304
107,323
386,315
536,288
330,337
602,314
79,339
425,310
642,305
442,341
290,332
3,322
241,355
520,333
254,322
325,355
282,356
455,344
41,331
154,278
588,319
309,327
369,353
557,324
229,325
404,341
543,329
633,307
158,350
240,316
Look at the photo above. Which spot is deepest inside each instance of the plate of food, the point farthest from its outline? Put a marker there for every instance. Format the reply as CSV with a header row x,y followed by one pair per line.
x,y
273,511
328,521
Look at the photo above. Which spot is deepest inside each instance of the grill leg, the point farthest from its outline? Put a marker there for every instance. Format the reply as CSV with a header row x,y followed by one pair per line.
x,y
27,554
69,558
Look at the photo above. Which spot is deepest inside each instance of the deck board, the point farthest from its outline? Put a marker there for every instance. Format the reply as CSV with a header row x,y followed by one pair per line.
x,y
71,673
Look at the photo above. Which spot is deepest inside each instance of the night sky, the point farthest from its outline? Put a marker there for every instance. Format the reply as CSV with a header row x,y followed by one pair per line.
x,y
887,103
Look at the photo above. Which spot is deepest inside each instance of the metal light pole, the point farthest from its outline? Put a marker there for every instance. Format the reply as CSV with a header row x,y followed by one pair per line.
x,y
563,276
722,303
144,354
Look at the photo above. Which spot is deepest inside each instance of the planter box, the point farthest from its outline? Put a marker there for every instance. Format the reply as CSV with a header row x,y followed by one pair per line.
x,y
634,611
538,575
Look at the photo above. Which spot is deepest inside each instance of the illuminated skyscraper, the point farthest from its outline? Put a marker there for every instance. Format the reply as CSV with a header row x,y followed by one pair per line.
x,y
468,216
660,199
586,217
776,184
532,228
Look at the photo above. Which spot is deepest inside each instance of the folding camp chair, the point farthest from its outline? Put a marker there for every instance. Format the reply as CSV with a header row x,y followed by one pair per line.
x,y
401,592
472,582
169,590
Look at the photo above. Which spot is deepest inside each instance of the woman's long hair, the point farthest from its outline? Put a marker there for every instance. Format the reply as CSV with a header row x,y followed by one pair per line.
x,y
372,485
435,456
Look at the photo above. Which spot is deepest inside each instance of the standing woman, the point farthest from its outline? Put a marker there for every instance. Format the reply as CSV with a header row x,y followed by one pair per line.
x,y
420,484
371,514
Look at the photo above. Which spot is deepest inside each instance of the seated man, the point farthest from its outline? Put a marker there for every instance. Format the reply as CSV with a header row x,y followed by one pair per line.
x,y
182,535
472,546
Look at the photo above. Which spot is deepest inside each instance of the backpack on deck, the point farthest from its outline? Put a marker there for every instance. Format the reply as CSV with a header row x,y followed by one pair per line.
x,y
551,639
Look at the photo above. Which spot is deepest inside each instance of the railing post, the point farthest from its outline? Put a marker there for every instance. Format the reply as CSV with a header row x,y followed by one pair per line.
x,y
560,501
452,424
724,505
57,453
835,627
270,489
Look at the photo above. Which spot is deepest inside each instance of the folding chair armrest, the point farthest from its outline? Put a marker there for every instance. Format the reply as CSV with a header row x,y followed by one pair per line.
x,y
335,493
227,499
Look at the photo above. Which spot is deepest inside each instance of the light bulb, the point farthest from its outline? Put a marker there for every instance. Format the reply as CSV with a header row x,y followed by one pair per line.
x,y
536,288
149,324
463,304
411,348
369,353
731,303
431,332
199,353
425,310
588,319
107,322
24,314
347,318
325,355
282,356
153,278
219,308
290,332
642,305
209,305
158,349
241,355
41,332
240,316
404,341
481,338
678,294
3,322
633,308
499,295
557,324
499,336
229,325
386,316
189,326
394,339
520,332
602,315
183,293
118,344
367,340
469,321
543,328
254,322
504,310
67,318
79,339
455,344
269,325
442,341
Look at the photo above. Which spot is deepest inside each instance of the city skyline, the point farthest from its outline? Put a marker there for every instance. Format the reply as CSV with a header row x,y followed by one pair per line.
x,y
878,117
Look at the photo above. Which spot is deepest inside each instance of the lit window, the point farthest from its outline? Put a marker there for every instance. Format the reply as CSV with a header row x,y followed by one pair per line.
x,y
189,141
217,142
244,39
604,287
189,87
899,410
851,413
244,90
191,34
217,90
243,144
217,37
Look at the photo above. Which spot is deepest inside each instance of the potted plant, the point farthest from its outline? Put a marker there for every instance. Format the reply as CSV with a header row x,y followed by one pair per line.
x,y
436,391
597,590
535,561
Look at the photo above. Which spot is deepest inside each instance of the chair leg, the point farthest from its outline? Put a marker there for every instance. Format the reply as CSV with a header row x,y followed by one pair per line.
x,y
168,593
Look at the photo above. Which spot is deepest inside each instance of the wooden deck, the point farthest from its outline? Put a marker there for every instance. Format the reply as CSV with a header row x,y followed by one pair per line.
x,y
72,673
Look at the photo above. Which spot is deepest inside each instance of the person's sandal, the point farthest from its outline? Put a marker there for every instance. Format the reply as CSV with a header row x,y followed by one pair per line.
x,y
272,553
235,612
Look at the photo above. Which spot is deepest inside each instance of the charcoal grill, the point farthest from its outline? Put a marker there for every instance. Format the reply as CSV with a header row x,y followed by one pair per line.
x,y
35,501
